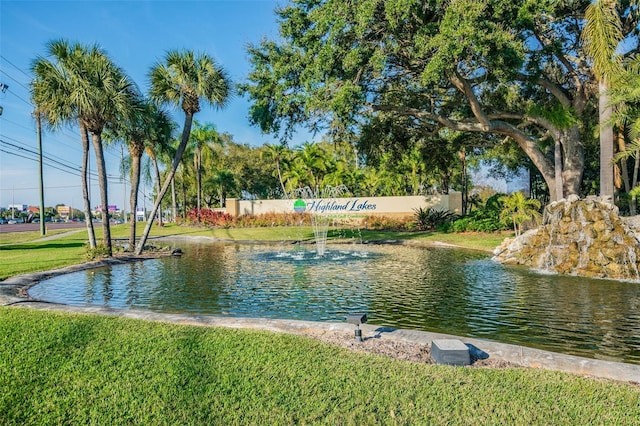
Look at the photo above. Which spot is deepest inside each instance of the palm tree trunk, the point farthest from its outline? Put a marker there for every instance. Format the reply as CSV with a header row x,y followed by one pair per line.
x,y
284,191
465,192
174,205
557,156
198,164
85,186
183,186
133,197
102,180
606,144
186,131
636,168
156,168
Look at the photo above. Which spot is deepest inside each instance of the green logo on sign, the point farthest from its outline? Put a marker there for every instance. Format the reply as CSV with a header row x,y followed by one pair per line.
x,y
299,206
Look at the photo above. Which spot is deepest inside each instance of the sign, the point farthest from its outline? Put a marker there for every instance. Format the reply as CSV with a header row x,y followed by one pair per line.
x,y
351,205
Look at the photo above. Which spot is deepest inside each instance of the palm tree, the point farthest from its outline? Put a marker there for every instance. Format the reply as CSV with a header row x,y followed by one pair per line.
x,y
314,159
278,153
183,80
294,175
602,34
144,131
159,141
626,94
132,132
517,209
224,181
203,137
51,91
103,94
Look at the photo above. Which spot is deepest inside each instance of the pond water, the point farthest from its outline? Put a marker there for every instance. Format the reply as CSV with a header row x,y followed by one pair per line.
x,y
433,289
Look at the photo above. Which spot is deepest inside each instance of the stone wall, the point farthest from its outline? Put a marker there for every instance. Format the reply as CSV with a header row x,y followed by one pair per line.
x,y
583,237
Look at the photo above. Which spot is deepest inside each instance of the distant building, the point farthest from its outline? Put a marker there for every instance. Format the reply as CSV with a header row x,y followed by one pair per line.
x,y
141,215
112,210
63,211
17,207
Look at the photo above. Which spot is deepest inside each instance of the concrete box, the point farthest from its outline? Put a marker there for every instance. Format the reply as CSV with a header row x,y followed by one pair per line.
x,y
450,352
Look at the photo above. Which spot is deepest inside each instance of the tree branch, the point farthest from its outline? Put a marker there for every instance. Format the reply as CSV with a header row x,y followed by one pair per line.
x,y
466,89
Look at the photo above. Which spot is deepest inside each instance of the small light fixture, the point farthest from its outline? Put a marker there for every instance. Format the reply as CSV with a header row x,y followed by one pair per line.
x,y
357,319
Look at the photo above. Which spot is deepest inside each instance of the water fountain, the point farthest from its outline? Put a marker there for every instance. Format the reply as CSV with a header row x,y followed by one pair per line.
x,y
584,237
319,203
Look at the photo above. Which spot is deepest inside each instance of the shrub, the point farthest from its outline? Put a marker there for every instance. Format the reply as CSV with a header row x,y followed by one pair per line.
x,y
208,217
485,219
517,210
272,219
387,223
99,252
427,219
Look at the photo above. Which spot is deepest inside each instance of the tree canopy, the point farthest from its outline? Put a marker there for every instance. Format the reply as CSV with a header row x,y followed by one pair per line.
x,y
512,69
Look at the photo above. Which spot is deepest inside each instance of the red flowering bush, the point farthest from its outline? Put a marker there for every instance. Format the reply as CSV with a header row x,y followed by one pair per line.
x,y
208,217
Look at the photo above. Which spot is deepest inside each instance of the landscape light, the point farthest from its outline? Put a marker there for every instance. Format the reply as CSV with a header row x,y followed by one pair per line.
x,y
357,319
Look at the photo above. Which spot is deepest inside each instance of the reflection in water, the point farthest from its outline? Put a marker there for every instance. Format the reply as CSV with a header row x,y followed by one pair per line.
x,y
435,289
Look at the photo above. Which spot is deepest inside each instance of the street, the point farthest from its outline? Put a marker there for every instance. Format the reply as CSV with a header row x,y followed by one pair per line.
x,y
22,227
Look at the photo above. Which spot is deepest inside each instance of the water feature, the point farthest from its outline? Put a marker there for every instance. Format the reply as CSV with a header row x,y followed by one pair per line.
x,y
583,237
319,204
435,289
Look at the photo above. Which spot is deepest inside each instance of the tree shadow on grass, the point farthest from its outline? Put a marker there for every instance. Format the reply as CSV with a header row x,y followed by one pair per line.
x,y
41,246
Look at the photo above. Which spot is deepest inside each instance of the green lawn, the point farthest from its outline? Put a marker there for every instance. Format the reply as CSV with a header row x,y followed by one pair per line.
x,y
58,368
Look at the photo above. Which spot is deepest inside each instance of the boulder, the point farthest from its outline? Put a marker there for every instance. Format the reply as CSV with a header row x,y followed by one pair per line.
x,y
584,237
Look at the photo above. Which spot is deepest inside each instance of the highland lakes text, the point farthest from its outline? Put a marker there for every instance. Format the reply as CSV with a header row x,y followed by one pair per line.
x,y
325,206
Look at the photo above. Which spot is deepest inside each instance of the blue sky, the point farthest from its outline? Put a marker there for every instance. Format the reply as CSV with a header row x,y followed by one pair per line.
x,y
136,34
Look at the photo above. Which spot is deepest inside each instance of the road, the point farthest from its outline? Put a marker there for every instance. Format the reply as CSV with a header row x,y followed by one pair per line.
x,y
21,227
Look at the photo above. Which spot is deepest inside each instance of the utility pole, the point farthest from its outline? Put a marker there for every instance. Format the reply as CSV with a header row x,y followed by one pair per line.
x,y
43,230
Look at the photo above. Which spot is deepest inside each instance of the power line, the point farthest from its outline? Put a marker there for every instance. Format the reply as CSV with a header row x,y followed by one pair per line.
x,y
22,99
55,142
33,159
68,165
19,125
13,65
36,153
74,138
49,187
9,75
73,170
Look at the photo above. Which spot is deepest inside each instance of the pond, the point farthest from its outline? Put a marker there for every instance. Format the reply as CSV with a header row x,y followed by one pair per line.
x,y
443,290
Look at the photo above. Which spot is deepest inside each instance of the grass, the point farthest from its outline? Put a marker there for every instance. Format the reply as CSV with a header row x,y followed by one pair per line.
x,y
21,237
60,368
30,256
